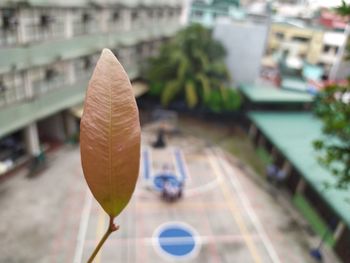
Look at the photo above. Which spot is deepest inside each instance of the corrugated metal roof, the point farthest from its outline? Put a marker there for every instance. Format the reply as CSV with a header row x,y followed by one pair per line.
x,y
296,146
266,94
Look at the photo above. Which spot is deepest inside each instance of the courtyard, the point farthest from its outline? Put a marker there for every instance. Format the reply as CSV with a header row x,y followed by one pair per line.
x,y
227,212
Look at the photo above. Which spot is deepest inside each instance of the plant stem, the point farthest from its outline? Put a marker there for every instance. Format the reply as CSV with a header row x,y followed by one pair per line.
x,y
111,228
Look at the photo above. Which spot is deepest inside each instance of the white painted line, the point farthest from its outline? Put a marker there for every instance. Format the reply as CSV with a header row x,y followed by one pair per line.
x,y
247,207
183,240
203,188
84,222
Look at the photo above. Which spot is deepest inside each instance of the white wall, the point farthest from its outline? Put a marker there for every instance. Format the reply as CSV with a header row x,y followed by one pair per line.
x,y
245,43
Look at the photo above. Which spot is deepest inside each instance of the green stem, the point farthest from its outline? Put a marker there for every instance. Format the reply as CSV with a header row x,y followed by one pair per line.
x,y
111,228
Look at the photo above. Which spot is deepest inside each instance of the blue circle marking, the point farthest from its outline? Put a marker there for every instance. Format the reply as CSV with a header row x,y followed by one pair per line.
x,y
177,240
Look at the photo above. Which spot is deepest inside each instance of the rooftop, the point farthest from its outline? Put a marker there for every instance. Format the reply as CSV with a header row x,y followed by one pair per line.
x,y
296,145
269,94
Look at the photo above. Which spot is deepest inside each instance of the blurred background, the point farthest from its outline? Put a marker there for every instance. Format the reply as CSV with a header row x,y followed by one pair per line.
x,y
245,114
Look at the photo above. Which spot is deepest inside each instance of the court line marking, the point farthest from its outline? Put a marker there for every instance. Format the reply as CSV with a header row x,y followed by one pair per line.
x,y
83,225
247,207
201,189
195,238
233,208
176,240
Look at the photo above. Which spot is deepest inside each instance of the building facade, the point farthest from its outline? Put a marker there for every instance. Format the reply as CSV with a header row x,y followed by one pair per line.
x,y
206,12
48,50
317,46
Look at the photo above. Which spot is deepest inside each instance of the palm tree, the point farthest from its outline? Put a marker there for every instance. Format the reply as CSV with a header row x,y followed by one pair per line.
x,y
190,66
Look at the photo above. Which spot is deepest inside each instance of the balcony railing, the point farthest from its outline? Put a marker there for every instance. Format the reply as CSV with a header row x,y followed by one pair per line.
x,y
43,86
37,32
8,37
11,94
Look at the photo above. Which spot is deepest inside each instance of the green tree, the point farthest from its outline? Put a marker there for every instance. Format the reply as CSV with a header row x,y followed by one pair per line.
x,y
332,106
191,67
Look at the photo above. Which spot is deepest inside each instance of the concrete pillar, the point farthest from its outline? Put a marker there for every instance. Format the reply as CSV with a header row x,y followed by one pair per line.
x,y
252,131
28,87
126,16
339,231
103,18
68,24
21,33
32,139
70,73
261,141
286,167
300,186
70,124
274,153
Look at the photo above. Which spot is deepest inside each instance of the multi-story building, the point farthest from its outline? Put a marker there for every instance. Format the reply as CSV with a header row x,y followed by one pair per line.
x,y
48,49
206,12
300,43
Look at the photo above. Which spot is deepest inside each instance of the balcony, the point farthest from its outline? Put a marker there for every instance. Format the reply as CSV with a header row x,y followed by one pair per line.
x,y
17,116
11,89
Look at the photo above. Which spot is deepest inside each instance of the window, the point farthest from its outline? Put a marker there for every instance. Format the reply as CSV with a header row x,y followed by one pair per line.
x,y
326,48
300,39
46,20
9,19
115,16
279,35
48,78
198,13
11,88
43,24
8,24
86,18
134,15
84,22
84,66
330,49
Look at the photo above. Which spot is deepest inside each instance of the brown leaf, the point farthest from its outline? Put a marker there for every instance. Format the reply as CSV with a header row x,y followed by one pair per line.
x,y
110,135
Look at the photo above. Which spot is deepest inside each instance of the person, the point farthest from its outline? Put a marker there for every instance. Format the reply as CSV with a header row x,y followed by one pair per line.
x,y
160,142
275,175
171,191
271,171
281,175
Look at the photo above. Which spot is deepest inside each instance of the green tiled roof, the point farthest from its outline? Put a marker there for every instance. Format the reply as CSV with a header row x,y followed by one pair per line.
x,y
293,134
267,94
296,84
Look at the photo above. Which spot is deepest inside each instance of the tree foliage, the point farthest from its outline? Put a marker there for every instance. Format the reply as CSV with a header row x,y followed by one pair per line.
x,y
191,67
332,106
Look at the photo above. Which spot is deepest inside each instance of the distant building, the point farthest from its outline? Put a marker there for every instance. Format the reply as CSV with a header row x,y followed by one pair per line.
x,y
206,12
48,50
331,20
245,43
297,44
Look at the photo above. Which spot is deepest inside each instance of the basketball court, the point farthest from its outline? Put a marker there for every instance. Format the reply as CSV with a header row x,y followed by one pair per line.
x,y
217,219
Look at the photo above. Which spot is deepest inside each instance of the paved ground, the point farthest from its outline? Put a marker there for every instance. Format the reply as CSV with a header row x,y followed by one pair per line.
x,y
54,219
